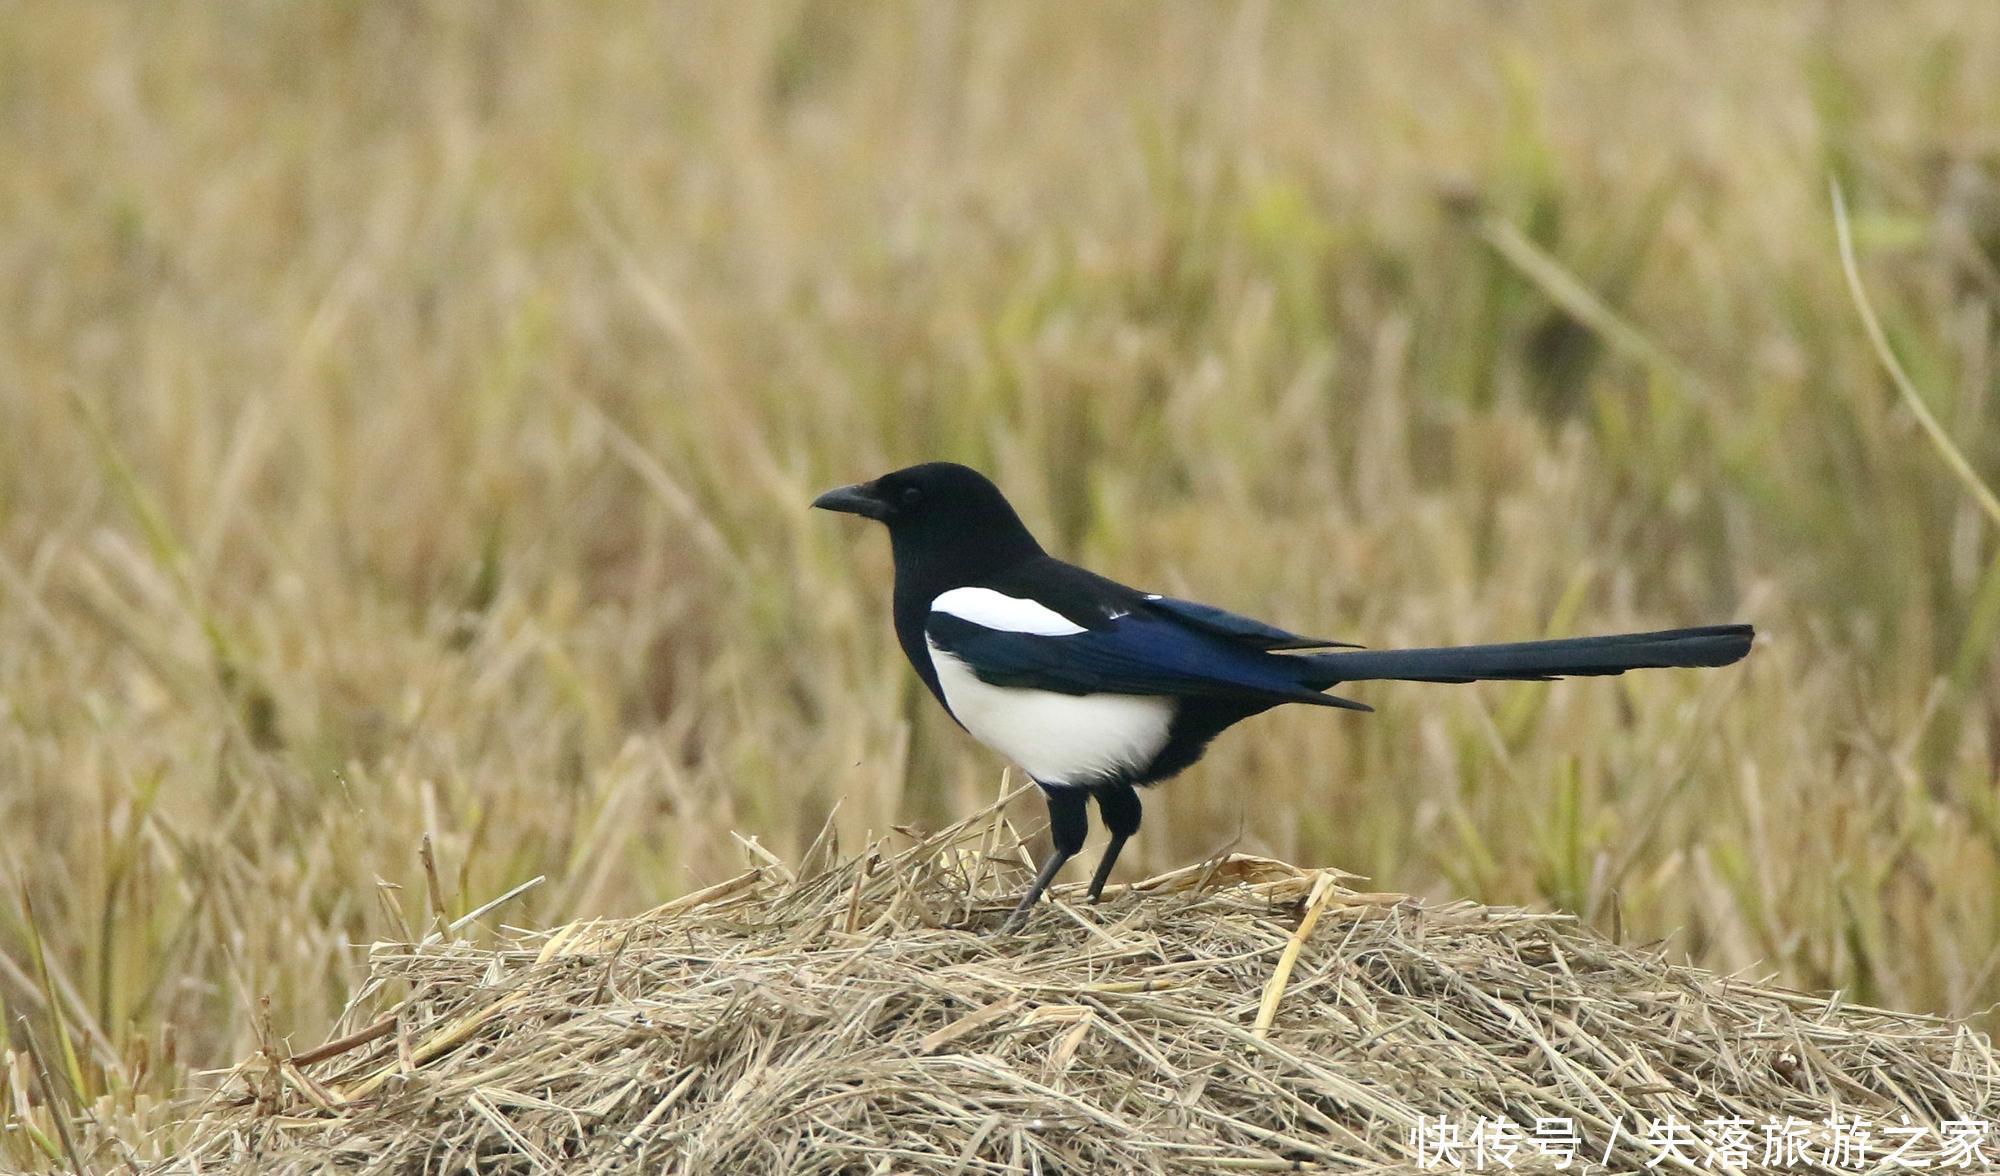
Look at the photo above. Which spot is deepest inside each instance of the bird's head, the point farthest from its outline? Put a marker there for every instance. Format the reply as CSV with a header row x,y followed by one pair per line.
x,y
935,508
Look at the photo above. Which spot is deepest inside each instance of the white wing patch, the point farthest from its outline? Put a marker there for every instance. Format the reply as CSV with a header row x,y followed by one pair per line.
x,y
1059,739
1007,614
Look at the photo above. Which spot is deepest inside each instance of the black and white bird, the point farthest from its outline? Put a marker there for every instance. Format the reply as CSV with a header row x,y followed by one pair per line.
x,y
1094,689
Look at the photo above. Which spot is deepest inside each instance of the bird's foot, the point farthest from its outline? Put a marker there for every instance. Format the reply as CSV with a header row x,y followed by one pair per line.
x,y
1011,925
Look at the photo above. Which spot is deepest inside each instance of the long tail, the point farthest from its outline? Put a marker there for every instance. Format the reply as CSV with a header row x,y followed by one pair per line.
x,y
1712,645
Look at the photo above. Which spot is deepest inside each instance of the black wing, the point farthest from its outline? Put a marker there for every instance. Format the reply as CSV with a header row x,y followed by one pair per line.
x,y
1137,653
1242,630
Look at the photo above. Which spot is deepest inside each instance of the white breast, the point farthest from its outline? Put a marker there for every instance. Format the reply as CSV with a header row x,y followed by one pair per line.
x,y
1056,738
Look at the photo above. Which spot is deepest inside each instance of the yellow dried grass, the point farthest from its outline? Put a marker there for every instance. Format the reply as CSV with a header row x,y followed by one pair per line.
x,y
1238,1015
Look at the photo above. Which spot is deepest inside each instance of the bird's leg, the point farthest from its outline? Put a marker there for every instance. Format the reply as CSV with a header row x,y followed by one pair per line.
x,y
1069,824
1118,804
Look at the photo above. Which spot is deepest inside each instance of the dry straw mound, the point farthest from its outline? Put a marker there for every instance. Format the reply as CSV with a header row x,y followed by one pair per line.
x,y
1244,1015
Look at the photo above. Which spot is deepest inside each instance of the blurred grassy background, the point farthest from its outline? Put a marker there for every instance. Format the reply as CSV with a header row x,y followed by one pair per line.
x,y
410,411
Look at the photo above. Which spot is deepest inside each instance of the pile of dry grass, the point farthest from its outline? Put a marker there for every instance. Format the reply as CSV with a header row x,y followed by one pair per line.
x,y
858,1015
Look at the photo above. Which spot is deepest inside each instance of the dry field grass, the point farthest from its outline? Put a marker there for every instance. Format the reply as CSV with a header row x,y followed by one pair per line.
x,y
856,1014
407,414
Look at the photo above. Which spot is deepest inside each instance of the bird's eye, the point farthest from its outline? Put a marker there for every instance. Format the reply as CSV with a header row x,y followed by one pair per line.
x,y
912,495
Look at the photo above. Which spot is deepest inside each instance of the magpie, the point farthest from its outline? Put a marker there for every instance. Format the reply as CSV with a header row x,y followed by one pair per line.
x,y
1095,689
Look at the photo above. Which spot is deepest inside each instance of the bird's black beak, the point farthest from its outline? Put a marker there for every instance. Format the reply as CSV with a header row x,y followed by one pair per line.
x,y
856,499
